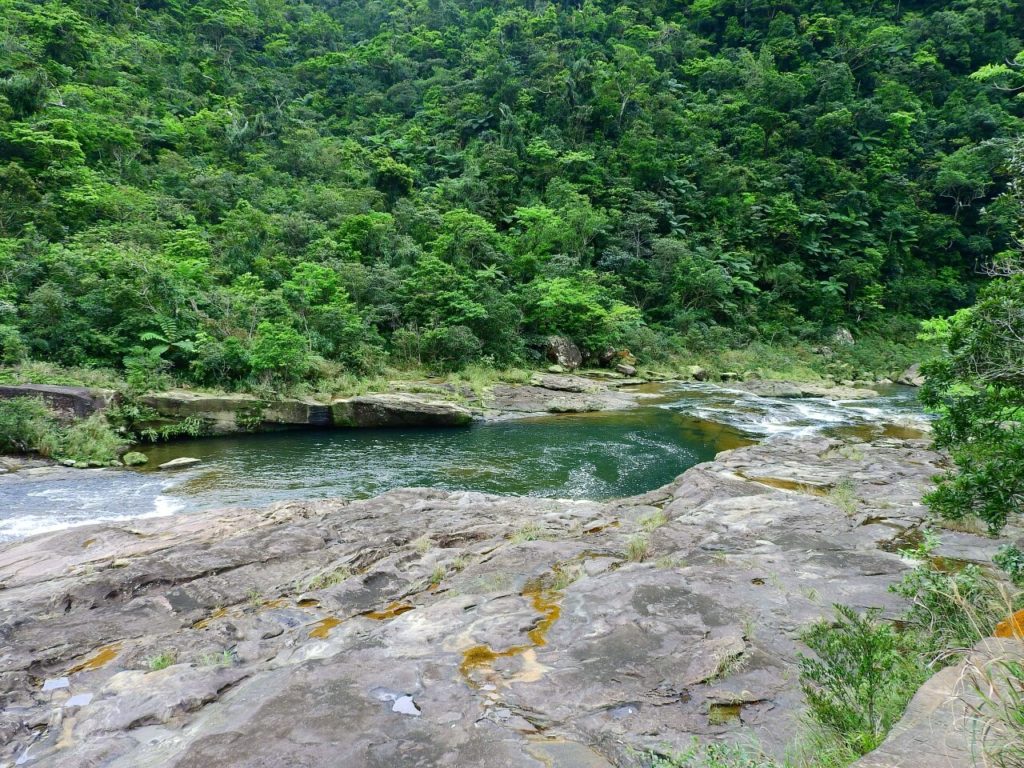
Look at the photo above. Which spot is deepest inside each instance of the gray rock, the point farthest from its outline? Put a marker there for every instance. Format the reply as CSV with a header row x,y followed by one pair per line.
x,y
791,389
397,410
565,383
697,373
563,352
231,413
67,402
842,338
559,634
911,377
625,369
180,463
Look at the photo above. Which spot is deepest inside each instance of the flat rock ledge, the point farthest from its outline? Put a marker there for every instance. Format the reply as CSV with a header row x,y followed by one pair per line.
x,y
791,389
427,628
429,406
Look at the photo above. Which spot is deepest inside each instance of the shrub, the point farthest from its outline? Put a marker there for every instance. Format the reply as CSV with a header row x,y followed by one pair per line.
x,y
1011,561
861,678
952,610
90,440
26,425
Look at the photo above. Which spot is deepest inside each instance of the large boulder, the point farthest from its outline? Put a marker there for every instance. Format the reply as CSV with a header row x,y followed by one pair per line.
x,y
563,352
911,377
842,338
68,402
397,410
565,383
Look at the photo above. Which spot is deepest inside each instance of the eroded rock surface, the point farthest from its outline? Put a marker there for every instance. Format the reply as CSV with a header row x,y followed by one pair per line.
x,y
426,628
65,402
947,723
398,410
770,388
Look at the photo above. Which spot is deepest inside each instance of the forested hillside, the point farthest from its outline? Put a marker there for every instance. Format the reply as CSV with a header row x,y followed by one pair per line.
x,y
244,189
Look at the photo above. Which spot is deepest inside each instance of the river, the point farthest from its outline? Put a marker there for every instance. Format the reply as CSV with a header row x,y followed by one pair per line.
x,y
594,456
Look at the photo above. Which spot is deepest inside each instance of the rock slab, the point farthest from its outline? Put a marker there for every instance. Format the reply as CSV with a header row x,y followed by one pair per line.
x,y
429,628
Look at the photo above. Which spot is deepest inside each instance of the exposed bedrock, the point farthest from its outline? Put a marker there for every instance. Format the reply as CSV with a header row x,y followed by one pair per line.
x,y
426,628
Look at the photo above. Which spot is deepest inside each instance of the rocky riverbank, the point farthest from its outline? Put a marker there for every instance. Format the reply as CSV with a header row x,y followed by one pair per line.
x,y
432,628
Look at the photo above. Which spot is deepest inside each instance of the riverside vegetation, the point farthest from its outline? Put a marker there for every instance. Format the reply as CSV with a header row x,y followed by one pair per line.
x,y
235,192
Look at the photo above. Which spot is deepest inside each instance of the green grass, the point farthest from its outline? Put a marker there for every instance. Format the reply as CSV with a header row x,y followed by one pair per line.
x,y
712,756
653,520
224,658
329,578
843,496
637,549
161,661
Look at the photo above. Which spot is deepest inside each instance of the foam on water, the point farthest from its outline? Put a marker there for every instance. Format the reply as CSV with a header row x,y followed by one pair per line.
x,y
770,416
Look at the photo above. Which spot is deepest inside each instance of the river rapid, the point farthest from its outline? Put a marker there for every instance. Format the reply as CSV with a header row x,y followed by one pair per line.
x,y
593,456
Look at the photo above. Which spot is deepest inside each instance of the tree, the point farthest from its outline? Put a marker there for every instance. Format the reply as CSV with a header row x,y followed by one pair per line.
x,y
977,387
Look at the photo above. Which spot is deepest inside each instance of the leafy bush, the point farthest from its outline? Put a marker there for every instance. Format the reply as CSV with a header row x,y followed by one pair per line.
x,y
1011,561
861,677
90,440
26,425
977,387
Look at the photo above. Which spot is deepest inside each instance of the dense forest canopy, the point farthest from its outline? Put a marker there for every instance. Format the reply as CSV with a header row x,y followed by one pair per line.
x,y
252,188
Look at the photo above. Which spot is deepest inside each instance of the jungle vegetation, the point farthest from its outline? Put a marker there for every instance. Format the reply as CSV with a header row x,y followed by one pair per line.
x,y
231,191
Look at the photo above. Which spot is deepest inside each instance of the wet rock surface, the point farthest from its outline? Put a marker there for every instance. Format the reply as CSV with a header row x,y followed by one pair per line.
x,y
430,628
787,389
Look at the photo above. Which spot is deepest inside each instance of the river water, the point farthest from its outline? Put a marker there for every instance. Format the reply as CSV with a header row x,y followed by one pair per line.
x,y
592,456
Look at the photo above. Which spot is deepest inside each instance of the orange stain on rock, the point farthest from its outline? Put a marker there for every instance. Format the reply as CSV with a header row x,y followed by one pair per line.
x,y
1012,627
101,658
204,623
482,657
393,610
323,627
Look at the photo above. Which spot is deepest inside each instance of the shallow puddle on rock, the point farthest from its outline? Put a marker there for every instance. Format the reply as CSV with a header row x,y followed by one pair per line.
x,y
308,602
101,658
478,660
602,527
795,486
323,627
948,564
909,538
723,714
88,543
393,610
204,623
